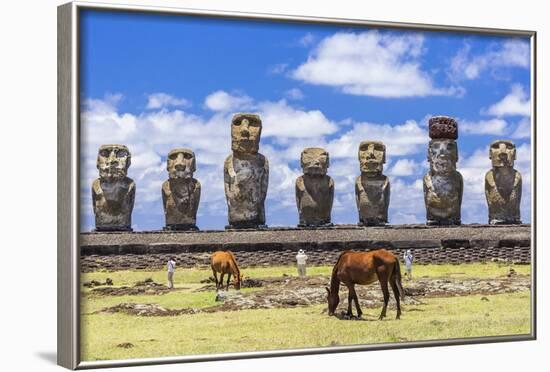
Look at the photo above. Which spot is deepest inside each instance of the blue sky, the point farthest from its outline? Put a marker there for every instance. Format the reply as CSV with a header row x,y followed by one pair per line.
x,y
156,82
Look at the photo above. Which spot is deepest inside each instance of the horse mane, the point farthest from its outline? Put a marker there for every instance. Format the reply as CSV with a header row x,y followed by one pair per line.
x,y
234,262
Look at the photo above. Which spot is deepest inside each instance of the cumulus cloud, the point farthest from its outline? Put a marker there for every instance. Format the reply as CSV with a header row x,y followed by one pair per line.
x,y
492,126
295,94
225,102
400,139
406,167
515,103
160,100
510,53
523,129
370,63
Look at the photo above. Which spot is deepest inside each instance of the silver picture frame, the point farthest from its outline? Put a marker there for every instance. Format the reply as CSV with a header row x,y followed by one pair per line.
x,y
68,190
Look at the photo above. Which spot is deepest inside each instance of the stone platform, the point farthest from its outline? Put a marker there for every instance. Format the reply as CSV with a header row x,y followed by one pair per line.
x,y
278,246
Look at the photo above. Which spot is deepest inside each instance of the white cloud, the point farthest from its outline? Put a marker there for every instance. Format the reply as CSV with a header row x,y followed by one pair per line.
x,y
160,100
523,129
492,126
510,53
295,94
402,139
281,119
278,68
307,39
405,167
225,102
370,63
516,102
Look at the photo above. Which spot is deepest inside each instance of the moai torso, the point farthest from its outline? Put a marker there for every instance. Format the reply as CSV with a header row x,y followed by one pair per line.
x,y
443,184
372,188
181,192
113,193
246,174
314,189
503,185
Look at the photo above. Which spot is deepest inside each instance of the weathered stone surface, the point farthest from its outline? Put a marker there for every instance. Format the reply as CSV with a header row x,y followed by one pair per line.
x,y
181,192
443,184
113,193
503,184
314,189
372,188
246,174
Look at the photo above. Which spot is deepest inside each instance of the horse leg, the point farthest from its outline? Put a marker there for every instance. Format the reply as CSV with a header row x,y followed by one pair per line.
x,y
359,312
350,299
395,290
221,280
383,278
228,278
215,278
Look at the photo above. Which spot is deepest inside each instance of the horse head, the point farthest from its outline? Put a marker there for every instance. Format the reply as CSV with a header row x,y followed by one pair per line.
x,y
332,299
237,280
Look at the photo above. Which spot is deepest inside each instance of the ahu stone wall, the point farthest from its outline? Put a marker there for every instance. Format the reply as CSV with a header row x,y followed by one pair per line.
x,y
271,247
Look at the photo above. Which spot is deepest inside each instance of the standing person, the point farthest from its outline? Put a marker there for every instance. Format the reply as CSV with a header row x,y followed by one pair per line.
x,y
408,258
301,258
171,268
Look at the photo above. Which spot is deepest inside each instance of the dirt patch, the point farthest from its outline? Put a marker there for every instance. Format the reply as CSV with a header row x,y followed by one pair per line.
x,y
95,283
145,310
146,287
289,292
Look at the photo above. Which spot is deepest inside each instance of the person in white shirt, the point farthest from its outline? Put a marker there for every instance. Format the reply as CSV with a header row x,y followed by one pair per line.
x,y
171,268
301,258
408,258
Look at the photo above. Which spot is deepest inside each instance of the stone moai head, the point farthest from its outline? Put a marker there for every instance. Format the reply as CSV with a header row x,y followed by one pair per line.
x,y
181,164
113,162
315,161
502,153
442,149
372,157
246,130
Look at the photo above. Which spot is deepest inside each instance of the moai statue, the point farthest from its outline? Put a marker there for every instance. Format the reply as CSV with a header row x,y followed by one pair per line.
x,y
181,193
113,193
314,189
372,188
443,184
246,174
503,184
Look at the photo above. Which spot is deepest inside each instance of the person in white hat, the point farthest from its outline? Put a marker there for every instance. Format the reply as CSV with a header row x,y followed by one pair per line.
x,y
408,258
301,258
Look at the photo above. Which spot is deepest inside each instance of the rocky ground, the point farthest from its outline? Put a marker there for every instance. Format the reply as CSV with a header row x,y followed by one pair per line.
x,y
288,292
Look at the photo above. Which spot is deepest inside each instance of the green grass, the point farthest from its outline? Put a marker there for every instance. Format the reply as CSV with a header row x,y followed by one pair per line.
x,y
185,277
255,330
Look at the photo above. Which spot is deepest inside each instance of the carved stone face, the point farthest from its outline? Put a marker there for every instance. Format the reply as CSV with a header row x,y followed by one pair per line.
x,y
246,130
113,161
315,161
502,153
372,157
442,155
181,164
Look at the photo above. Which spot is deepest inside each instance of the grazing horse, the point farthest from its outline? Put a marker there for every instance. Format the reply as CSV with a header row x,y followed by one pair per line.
x,y
224,262
365,268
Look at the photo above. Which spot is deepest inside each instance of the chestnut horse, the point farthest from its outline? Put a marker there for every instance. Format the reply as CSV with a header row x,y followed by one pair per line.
x,y
224,262
365,268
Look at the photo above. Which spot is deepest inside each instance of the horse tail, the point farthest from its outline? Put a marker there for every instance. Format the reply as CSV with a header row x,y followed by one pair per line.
x,y
397,278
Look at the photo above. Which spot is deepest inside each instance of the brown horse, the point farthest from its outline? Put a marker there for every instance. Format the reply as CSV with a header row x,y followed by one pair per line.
x,y
365,268
224,262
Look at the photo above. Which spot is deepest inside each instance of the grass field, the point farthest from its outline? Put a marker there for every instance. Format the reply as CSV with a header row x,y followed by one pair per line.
x,y
300,327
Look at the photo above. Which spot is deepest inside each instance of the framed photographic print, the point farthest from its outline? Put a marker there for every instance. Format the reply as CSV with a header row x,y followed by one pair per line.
x,y
237,185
